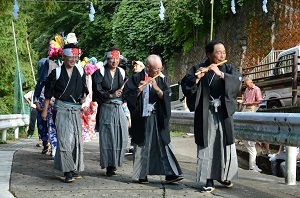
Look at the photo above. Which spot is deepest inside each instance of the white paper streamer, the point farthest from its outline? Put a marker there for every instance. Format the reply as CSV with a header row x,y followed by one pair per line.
x,y
16,10
162,11
92,12
264,7
233,6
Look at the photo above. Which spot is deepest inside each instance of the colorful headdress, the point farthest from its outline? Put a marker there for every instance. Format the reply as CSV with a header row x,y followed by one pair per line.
x,y
113,54
55,50
71,46
90,67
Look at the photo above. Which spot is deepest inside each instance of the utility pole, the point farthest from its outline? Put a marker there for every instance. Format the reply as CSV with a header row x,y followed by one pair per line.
x,y
212,19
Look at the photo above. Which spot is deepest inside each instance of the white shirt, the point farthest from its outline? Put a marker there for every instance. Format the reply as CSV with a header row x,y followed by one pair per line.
x,y
29,96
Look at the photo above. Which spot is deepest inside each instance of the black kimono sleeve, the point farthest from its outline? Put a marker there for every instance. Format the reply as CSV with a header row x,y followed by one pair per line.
x,y
99,95
85,89
50,84
190,88
232,80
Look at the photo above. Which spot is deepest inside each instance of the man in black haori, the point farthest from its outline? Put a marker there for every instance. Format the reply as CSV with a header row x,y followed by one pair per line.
x,y
108,82
67,84
149,100
211,92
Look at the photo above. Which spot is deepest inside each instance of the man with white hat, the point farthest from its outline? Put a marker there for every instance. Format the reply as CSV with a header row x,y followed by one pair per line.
x,y
68,86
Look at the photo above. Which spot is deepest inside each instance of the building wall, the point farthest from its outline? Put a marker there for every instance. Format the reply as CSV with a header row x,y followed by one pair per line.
x,y
249,35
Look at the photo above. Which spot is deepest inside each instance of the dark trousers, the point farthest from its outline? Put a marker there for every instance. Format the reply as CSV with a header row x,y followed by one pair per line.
x,y
32,121
278,167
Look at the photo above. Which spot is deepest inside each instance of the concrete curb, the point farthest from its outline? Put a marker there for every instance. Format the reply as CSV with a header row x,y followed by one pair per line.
x,y
5,171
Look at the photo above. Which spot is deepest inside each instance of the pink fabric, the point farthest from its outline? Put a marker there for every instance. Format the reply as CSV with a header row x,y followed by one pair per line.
x,y
252,94
90,68
88,118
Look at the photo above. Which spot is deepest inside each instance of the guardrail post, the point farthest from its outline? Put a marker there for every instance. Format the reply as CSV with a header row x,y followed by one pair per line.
x,y
295,80
16,133
291,165
4,132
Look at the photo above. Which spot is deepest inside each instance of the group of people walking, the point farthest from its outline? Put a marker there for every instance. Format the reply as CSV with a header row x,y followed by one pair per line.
x,y
140,107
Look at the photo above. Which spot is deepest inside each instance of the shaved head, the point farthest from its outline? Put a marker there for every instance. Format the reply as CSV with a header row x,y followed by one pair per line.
x,y
153,60
154,65
247,79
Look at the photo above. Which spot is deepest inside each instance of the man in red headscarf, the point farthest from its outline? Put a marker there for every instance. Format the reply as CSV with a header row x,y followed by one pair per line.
x,y
112,125
67,84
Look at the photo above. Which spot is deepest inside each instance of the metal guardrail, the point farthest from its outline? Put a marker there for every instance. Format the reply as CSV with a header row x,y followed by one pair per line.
x,y
275,128
12,121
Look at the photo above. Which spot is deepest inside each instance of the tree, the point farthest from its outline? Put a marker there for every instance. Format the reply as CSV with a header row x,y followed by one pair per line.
x,y
8,61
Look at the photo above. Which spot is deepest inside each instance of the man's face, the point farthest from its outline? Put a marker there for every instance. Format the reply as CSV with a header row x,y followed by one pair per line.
x,y
218,55
249,84
137,68
113,62
154,70
70,61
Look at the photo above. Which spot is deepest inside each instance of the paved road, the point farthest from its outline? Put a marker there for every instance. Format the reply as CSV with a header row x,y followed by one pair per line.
x,y
32,175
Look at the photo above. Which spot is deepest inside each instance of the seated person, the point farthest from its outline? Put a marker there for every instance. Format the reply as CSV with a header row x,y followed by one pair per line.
x,y
278,162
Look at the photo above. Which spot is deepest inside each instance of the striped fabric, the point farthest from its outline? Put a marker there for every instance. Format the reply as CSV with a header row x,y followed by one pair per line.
x,y
154,158
217,161
69,153
113,135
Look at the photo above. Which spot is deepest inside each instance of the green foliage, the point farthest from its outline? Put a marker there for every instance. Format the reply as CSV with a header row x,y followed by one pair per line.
x,y
177,134
134,27
8,58
3,142
6,104
186,18
94,38
138,30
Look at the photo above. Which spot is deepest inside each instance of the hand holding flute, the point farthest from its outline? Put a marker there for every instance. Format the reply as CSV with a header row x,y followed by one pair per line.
x,y
206,69
202,70
143,83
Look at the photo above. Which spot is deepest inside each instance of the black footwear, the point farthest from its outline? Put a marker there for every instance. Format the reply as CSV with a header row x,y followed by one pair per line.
x,y
143,181
75,175
173,178
68,177
207,189
39,144
226,183
45,150
111,171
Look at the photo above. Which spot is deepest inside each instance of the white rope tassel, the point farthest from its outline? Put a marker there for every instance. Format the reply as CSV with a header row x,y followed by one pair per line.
x,y
92,12
264,7
233,6
16,10
162,11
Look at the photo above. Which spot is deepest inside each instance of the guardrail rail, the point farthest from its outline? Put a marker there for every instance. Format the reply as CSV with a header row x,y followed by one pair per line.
x,y
12,121
275,128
